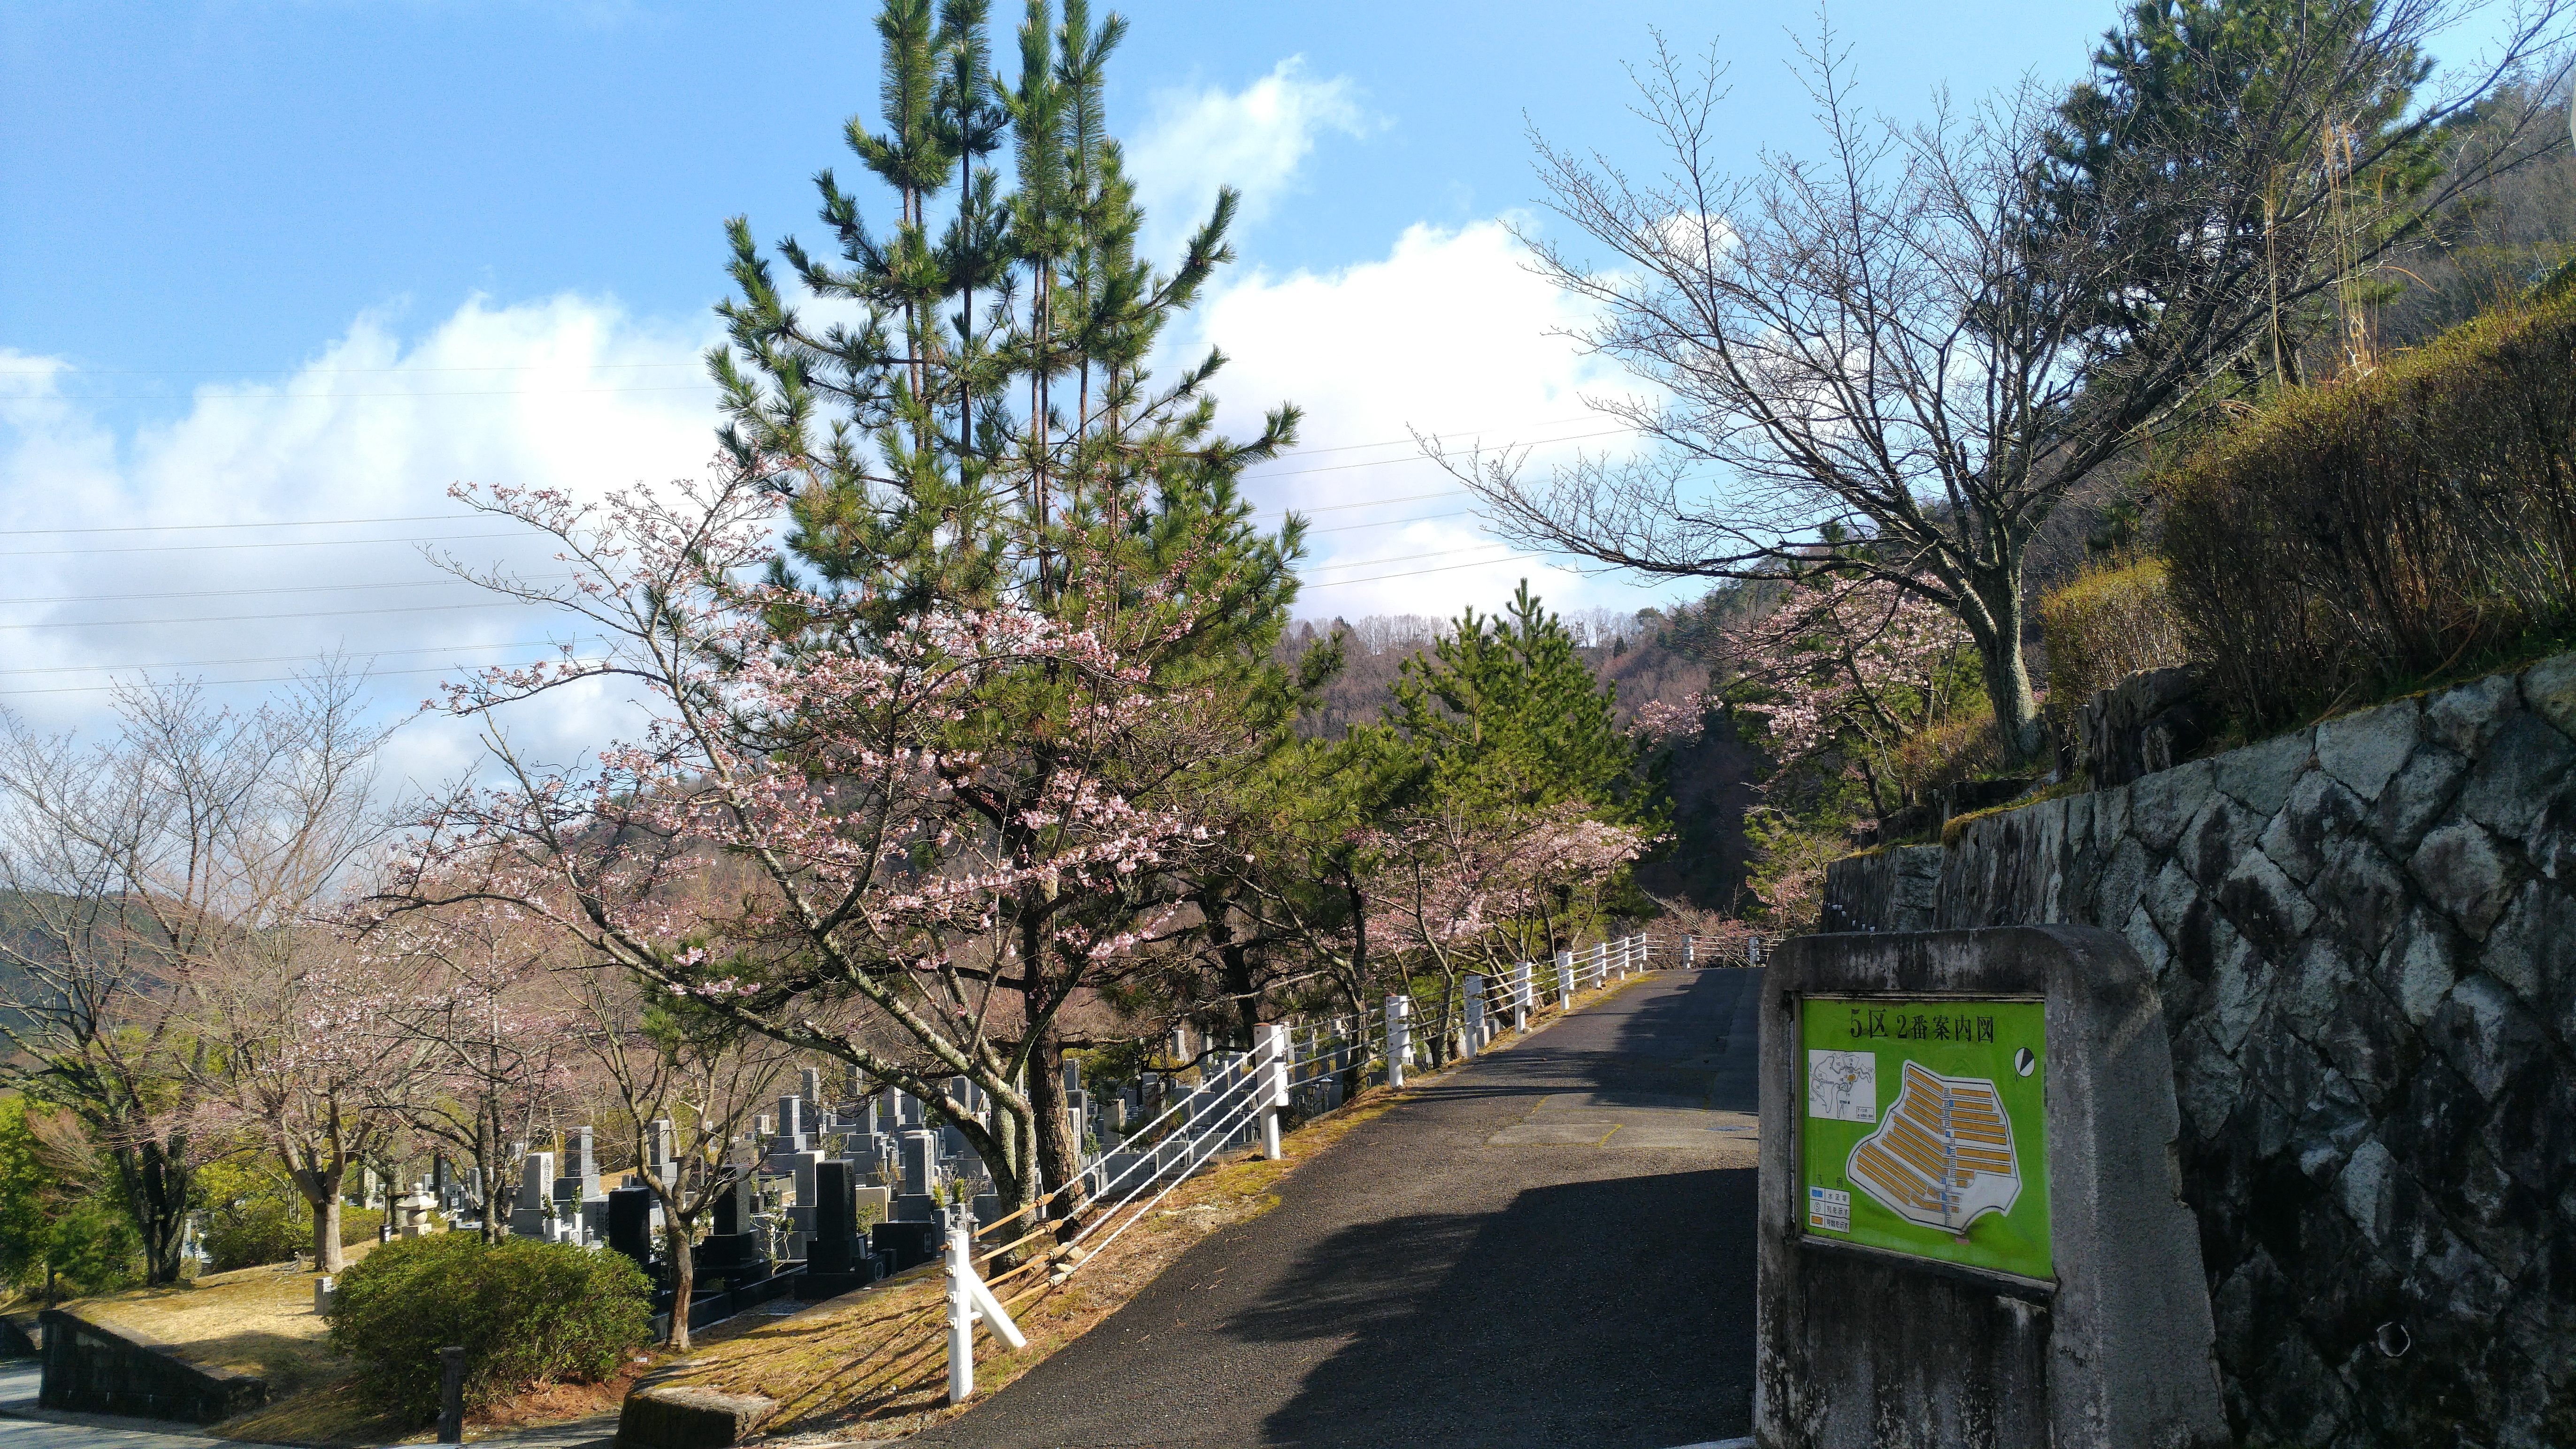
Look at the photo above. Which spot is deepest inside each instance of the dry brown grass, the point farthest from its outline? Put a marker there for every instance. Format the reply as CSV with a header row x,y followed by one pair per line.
x,y
251,1320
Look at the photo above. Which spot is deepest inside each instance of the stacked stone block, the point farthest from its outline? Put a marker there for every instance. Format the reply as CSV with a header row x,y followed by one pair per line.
x,y
2364,936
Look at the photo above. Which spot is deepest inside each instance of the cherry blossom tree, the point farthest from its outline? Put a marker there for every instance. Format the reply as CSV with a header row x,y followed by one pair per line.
x,y
490,1027
1856,665
1456,892
669,1058
313,1055
808,837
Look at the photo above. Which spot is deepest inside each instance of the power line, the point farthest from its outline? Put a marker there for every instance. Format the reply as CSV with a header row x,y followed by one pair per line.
x,y
246,659
261,616
272,679
1414,573
282,523
271,543
91,397
1385,462
1396,522
1410,557
236,593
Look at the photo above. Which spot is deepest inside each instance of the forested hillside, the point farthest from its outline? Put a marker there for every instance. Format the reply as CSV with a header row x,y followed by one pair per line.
x,y
1649,658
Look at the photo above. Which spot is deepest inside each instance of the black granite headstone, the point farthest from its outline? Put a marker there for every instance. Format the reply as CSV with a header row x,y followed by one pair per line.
x,y
630,1223
836,1220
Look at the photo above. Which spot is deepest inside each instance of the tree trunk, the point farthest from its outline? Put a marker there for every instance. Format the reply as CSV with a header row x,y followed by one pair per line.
x,y
323,1193
684,1275
2006,665
157,1189
1057,1153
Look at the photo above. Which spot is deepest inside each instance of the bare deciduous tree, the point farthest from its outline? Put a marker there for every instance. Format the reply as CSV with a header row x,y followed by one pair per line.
x,y
139,871
1896,360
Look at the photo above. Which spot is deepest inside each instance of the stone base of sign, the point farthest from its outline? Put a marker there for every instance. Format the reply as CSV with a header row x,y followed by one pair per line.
x,y
1860,1348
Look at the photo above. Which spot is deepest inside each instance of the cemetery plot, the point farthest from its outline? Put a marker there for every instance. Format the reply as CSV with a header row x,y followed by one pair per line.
x,y
1945,1156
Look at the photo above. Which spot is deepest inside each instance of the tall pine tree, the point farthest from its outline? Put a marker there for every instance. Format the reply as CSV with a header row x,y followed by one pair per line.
x,y
985,431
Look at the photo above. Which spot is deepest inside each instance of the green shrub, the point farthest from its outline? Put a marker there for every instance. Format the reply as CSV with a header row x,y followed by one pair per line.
x,y
2361,537
2104,627
525,1312
1965,746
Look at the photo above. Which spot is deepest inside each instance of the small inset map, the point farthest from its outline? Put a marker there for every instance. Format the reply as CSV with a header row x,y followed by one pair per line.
x,y
1944,1157
1842,1086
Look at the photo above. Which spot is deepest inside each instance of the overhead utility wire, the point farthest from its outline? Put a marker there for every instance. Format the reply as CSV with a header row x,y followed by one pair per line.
x,y
250,618
273,679
272,543
272,589
259,659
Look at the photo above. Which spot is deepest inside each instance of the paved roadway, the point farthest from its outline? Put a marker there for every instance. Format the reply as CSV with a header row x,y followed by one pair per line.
x,y
1551,1247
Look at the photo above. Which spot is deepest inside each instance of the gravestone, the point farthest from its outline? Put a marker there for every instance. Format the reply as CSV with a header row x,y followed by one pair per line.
x,y
792,1127
1969,1212
658,1146
580,1179
630,1223
532,1212
918,1156
733,1238
836,1223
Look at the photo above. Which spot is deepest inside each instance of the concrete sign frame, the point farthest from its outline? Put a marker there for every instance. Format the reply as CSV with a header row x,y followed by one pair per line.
x,y
1861,1347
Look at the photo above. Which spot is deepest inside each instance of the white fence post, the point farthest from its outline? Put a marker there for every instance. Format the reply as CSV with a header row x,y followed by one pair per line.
x,y
1690,952
969,1300
1475,1037
1399,1037
1565,977
1600,962
961,1322
1271,1060
1523,997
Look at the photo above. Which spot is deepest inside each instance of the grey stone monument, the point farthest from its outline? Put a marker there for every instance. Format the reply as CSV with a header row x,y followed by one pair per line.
x,y
533,1209
1934,1282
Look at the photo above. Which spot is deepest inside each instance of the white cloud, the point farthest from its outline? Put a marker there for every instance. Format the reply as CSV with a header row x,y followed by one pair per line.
x,y
172,547
1449,334
1255,139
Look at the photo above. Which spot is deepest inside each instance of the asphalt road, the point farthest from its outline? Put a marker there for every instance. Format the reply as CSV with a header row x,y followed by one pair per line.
x,y
1551,1247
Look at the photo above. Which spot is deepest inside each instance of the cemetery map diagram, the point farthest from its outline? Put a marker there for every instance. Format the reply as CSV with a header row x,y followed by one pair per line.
x,y
1944,1157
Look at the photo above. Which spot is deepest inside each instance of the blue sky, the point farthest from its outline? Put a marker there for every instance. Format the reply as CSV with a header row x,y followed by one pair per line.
x,y
275,273
218,189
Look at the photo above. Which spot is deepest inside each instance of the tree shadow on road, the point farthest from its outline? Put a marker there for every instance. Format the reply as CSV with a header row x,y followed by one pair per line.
x,y
1609,1313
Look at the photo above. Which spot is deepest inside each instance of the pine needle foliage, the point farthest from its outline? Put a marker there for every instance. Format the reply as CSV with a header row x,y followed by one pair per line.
x,y
966,416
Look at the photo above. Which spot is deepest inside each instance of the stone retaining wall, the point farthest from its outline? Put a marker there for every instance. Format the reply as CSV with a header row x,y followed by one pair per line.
x,y
94,1370
2365,944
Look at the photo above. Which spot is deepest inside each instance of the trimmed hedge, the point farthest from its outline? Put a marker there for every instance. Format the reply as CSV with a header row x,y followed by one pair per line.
x,y
526,1312
2358,538
2104,627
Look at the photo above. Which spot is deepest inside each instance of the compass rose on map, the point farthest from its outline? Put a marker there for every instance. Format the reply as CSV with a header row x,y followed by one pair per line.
x,y
1944,1156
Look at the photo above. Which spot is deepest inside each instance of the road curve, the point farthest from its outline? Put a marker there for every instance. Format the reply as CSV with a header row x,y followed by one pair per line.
x,y
1550,1247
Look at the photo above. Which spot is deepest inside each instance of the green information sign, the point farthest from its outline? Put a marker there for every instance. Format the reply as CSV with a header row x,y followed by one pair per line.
x,y
1924,1129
